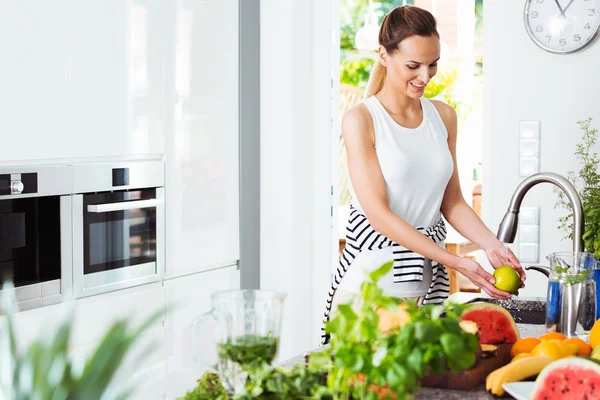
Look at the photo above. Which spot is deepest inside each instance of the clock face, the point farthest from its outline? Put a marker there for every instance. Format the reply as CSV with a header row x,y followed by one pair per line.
x,y
562,26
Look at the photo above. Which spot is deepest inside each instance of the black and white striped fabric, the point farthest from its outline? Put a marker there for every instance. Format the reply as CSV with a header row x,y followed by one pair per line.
x,y
408,265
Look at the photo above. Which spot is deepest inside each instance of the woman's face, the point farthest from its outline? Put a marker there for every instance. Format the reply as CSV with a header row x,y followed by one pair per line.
x,y
411,67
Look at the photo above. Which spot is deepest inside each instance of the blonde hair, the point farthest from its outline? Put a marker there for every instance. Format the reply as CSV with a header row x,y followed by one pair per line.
x,y
376,79
397,25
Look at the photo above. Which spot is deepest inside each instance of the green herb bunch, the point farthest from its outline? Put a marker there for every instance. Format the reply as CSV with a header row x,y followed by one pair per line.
x,y
209,388
587,182
430,343
299,383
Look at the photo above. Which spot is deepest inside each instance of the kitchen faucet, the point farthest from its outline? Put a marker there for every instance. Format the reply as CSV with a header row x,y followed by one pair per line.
x,y
508,227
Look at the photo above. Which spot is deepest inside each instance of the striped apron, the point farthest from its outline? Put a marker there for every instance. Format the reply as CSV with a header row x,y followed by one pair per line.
x,y
407,265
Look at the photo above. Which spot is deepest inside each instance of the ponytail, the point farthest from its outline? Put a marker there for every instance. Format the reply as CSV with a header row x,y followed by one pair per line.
x,y
376,79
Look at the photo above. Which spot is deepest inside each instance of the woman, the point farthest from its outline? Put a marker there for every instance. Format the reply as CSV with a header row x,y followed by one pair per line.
x,y
401,150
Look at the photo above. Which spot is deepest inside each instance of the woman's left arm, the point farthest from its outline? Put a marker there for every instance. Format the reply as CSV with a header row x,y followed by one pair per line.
x,y
460,215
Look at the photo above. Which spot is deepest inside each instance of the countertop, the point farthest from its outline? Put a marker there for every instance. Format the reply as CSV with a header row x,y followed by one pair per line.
x,y
480,393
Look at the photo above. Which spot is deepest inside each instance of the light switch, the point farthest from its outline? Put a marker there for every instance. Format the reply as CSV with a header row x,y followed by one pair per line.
x,y
528,166
530,148
529,234
528,253
529,216
530,129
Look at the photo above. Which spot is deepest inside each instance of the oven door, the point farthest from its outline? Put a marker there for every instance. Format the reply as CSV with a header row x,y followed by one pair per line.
x,y
35,248
118,240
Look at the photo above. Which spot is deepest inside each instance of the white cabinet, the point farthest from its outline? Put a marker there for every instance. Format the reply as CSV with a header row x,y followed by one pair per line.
x,y
190,297
117,77
93,316
82,78
34,77
202,162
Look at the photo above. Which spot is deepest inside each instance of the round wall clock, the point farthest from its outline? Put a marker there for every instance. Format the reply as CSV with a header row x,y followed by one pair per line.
x,y
562,26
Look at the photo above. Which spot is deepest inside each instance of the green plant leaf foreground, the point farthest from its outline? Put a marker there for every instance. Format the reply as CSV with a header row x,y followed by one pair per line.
x,y
46,370
363,362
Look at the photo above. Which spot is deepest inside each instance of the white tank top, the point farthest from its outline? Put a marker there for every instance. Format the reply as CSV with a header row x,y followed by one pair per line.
x,y
416,165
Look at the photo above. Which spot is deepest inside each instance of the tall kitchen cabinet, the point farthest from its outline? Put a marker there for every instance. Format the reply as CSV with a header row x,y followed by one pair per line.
x,y
202,175
82,79
202,138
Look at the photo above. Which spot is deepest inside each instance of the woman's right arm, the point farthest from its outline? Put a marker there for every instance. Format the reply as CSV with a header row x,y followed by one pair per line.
x,y
369,185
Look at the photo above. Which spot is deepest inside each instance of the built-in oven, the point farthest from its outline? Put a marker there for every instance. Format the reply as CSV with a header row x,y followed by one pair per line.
x,y
118,225
35,233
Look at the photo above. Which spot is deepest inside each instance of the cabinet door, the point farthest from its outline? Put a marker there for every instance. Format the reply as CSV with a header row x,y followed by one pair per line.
x,y
117,50
34,78
202,161
190,297
92,318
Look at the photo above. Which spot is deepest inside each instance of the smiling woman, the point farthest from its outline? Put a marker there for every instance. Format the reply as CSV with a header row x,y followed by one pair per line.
x,y
401,151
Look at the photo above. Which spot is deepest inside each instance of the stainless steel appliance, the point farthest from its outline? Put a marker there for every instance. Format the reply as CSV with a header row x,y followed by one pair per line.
x,y
35,233
118,225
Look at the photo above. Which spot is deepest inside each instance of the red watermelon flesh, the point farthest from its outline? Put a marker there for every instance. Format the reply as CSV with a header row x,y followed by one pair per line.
x,y
496,325
573,378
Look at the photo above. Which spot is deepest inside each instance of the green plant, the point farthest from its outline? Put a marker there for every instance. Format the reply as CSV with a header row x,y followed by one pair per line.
x,y
397,359
587,182
46,371
209,388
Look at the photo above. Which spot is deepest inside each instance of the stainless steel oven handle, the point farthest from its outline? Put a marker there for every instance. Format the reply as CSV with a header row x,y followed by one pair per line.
x,y
125,205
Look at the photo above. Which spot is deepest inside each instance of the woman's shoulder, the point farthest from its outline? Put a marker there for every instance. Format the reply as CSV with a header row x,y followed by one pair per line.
x,y
445,110
357,117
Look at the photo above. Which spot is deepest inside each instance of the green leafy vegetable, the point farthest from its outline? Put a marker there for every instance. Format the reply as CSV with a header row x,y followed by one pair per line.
x,y
209,388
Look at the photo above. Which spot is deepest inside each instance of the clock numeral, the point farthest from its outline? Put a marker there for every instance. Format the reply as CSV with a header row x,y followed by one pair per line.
x,y
587,26
577,37
549,37
563,42
539,28
592,11
534,14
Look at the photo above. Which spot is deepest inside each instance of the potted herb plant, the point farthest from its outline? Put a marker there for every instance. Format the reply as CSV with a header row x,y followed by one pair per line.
x,y
587,182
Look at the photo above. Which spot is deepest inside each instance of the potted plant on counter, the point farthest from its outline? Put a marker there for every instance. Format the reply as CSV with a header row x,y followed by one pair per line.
x,y
587,182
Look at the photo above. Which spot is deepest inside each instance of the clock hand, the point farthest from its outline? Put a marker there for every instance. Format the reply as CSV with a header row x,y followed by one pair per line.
x,y
562,13
565,9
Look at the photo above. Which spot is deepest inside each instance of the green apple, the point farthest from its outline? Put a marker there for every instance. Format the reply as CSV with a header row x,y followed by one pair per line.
x,y
596,353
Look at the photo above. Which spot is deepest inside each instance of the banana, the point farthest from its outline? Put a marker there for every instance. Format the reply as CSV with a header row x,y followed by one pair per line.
x,y
515,372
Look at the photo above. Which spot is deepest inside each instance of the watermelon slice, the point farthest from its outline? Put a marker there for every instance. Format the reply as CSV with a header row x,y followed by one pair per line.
x,y
496,325
572,378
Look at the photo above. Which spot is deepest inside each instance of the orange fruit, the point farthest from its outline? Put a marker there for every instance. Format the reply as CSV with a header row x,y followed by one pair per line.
x,y
583,349
552,336
521,355
524,345
595,335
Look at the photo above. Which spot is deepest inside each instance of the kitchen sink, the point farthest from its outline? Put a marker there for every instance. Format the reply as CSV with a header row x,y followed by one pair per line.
x,y
531,312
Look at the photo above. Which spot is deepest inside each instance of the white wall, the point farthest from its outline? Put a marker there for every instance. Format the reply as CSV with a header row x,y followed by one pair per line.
x,y
524,82
296,236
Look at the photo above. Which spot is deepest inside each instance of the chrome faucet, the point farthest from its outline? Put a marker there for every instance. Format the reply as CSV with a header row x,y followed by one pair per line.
x,y
508,227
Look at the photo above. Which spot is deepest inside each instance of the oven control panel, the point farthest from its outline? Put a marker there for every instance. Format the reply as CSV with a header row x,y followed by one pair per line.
x,y
14,184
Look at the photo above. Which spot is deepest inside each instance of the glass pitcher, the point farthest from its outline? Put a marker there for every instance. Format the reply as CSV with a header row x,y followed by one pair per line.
x,y
571,296
247,328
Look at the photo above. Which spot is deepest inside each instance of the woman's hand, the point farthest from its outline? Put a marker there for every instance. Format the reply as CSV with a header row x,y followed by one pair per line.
x,y
500,255
480,277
